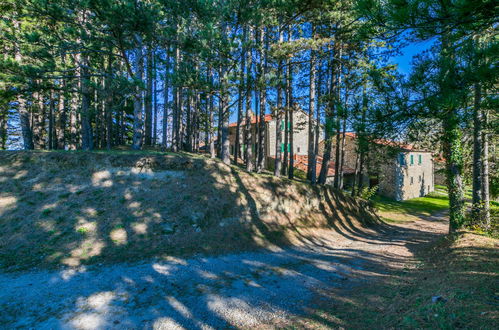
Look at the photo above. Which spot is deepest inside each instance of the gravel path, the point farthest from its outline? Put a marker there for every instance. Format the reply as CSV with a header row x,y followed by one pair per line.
x,y
244,290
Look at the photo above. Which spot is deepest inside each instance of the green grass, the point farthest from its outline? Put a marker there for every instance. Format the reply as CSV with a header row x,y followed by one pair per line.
x,y
427,205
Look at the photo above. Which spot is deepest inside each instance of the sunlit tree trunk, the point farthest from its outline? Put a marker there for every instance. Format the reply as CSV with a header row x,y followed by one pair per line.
x,y
137,100
291,111
311,167
485,171
24,116
278,116
237,141
263,100
166,100
330,119
148,98
248,157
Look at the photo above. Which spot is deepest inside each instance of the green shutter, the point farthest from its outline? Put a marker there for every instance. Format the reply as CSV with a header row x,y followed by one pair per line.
x,y
289,125
289,147
420,159
282,125
282,147
412,159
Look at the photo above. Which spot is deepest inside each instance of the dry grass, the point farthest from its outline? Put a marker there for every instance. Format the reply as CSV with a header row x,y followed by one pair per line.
x,y
69,209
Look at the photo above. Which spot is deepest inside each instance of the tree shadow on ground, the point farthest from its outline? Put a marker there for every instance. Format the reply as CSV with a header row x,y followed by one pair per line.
x,y
81,209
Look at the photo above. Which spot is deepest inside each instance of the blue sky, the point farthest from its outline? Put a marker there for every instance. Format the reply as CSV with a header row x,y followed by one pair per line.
x,y
404,61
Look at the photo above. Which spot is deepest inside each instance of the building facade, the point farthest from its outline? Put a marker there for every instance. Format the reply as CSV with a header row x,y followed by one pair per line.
x,y
400,171
409,175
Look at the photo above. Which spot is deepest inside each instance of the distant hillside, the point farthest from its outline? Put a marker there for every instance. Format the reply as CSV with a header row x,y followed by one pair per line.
x,y
72,208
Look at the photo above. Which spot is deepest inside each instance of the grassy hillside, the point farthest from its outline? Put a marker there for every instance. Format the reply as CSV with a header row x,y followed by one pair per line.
x,y
72,208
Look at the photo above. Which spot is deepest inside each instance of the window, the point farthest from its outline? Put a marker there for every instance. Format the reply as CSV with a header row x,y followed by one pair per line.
x,y
412,180
412,159
419,178
420,159
298,149
282,147
402,159
282,125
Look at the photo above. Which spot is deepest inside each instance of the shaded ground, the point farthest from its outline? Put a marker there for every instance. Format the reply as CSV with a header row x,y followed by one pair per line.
x,y
255,289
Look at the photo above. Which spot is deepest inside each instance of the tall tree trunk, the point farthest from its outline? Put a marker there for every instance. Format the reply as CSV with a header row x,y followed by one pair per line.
x,y
224,98
313,177
285,162
166,89
109,102
262,90
86,127
148,98
62,106
176,106
453,152
237,142
155,104
137,101
339,113
485,171
312,153
452,143
220,124
211,117
291,114
189,121
278,117
330,119
248,157
24,116
362,145
477,202
207,122
75,101
342,147
51,135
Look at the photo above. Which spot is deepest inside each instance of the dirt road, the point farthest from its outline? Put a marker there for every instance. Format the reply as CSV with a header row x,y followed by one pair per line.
x,y
245,290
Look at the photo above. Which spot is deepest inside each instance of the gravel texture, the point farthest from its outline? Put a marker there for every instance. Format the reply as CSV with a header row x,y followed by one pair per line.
x,y
244,290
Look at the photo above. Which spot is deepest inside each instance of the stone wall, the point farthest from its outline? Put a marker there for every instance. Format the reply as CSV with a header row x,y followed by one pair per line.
x,y
350,150
300,136
417,179
390,180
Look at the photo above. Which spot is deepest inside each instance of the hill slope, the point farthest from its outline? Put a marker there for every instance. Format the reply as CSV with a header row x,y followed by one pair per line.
x,y
64,208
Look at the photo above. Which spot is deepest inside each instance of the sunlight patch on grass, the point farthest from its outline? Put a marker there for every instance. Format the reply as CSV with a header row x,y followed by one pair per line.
x,y
409,210
118,236
6,203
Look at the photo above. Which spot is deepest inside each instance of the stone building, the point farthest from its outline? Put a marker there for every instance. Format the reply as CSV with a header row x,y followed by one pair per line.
x,y
300,136
401,171
408,175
